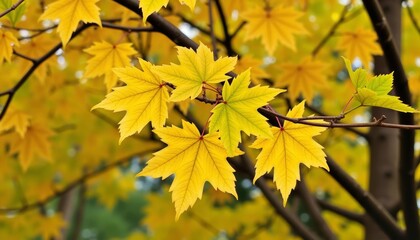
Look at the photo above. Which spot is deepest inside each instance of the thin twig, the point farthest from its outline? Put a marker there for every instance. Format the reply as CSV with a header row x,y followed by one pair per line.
x,y
24,56
211,26
332,30
407,163
374,208
72,185
238,29
207,225
228,37
127,28
36,63
275,202
12,8
340,211
314,210
412,17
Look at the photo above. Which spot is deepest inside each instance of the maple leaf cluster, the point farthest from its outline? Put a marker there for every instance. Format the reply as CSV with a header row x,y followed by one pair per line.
x,y
228,90
196,157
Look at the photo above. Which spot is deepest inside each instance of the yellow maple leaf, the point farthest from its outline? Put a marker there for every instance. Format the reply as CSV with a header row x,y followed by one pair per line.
x,y
50,226
195,70
257,73
144,99
15,119
36,48
107,56
7,41
194,159
274,25
414,83
35,143
238,111
150,6
110,187
303,77
292,145
70,13
360,43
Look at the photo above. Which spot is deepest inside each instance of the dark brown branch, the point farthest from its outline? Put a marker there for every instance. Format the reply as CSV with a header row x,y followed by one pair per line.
x,y
205,224
24,57
375,123
412,17
380,215
352,130
199,28
211,26
72,185
374,208
36,63
38,32
238,29
314,210
274,200
340,211
260,227
406,159
332,30
127,28
78,217
12,8
228,38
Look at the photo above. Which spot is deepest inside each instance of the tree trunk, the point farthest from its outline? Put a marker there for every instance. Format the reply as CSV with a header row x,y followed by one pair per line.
x,y
384,143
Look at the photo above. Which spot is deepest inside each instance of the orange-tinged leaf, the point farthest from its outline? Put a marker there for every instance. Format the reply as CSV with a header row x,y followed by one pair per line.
x,y
360,43
194,159
7,41
70,13
238,111
292,145
195,70
107,56
15,119
144,99
35,143
303,77
274,25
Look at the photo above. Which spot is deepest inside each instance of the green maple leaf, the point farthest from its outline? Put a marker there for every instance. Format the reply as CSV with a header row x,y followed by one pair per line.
x,y
238,111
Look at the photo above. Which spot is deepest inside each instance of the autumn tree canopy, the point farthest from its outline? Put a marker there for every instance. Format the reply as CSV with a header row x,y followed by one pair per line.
x,y
209,119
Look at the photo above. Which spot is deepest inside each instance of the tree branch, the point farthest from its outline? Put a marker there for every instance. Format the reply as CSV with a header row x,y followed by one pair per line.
x,y
71,185
228,37
36,63
375,209
314,210
12,8
332,30
274,200
379,214
127,28
412,17
340,211
406,161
